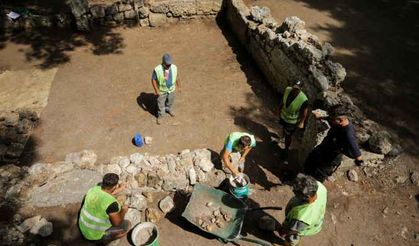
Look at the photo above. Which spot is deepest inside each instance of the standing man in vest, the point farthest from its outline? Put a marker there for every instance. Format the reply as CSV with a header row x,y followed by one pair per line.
x,y
294,111
101,216
305,211
237,142
164,80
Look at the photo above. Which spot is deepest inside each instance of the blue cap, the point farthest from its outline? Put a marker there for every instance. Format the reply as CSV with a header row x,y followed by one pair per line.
x,y
138,140
167,59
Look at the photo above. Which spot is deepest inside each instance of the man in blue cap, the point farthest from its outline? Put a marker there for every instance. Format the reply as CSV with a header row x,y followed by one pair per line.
x,y
165,80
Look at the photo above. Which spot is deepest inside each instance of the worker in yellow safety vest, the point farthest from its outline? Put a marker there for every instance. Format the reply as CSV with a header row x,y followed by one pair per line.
x,y
237,142
101,217
294,111
165,80
305,211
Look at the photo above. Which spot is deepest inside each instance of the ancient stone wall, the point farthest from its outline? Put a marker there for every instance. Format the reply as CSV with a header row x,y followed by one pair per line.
x,y
67,181
143,12
15,129
286,53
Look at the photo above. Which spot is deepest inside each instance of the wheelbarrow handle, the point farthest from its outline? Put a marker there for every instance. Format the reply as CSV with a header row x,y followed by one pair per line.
x,y
255,241
264,208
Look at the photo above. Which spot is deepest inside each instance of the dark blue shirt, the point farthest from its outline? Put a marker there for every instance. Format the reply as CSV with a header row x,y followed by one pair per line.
x,y
341,140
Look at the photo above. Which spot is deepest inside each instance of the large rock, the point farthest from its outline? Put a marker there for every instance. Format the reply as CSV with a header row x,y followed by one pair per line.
x,y
112,169
28,224
43,228
414,178
259,13
166,204
137,201
292,24
67,188
136,158
380,142
157,20
98,11
353,176
84,159
133,215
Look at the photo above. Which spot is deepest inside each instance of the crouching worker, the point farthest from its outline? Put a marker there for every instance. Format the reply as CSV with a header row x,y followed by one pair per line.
x,y
237,142
101,216
305,211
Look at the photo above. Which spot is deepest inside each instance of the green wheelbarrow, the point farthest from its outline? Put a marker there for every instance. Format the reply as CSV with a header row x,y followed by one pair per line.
x,y
206,200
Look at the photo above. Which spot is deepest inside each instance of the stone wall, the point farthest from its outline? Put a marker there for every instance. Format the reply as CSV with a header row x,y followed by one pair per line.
x,y
15,129
67,181
285,53
143,12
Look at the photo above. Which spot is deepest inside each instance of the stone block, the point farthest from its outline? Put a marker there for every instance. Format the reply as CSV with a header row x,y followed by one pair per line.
x,y
118,17
157,20
130,15
259,13
43,228
124,7
320,80
380,142
292,24
111,10
180,8
143,12
192,176
98,11
161,7
133,215
166,205
29,223
137,201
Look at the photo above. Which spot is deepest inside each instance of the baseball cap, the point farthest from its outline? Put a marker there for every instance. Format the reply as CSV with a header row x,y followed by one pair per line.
x,y
167,59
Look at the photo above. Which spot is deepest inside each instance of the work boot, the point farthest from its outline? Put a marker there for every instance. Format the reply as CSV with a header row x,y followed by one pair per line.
x,y
171,113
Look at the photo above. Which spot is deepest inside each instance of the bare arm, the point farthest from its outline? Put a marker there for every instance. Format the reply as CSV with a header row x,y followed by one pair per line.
x,y
155,87
229,165
178,84
117,218
303,118
245,152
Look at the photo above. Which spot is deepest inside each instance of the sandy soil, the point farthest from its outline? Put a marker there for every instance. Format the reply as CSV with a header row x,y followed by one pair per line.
x,y
96,103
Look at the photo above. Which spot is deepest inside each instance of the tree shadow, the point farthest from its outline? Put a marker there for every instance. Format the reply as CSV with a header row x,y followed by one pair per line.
x,y
51,47
148,102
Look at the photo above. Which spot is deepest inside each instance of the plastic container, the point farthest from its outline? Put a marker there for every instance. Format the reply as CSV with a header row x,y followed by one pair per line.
x,y
138,140
240,191
154,239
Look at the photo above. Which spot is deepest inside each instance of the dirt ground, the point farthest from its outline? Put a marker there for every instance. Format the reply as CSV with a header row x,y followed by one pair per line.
x,y
101,96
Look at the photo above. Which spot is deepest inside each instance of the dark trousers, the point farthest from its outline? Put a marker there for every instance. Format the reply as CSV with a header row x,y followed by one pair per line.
x,y
320,164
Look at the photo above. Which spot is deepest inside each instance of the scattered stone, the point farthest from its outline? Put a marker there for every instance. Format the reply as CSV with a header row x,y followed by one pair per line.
x,y
42,228
148,140
403,232
333,217
28,224
380,142
166,204
385,210
414,178
353,175
267,223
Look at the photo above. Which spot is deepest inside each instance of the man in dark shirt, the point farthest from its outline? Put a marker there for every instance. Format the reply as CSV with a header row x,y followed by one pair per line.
x,y
325,158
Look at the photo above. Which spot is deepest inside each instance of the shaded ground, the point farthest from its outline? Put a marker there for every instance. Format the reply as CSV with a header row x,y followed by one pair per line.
x,y
378,44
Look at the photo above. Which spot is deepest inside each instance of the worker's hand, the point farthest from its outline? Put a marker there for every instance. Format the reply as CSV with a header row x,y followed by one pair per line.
x,y
301,125
157,93
235,172
124,208
316,114
242,160
179,90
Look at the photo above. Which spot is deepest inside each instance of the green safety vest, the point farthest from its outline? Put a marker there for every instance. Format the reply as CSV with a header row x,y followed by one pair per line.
x,y
235,136
310,213
159,70
93,220
290,114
